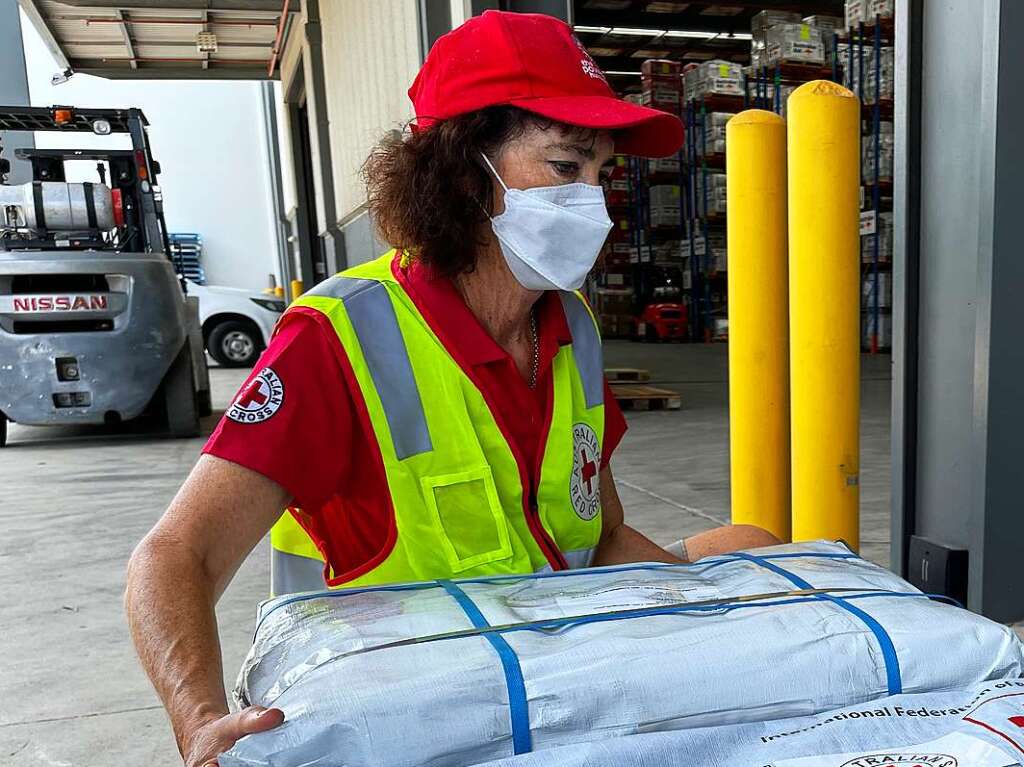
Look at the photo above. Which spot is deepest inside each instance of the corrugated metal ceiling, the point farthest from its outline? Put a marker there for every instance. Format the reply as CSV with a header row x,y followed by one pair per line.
x,y
159,38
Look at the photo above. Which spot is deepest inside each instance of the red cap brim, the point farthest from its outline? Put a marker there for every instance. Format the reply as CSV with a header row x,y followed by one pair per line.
x,y
638,130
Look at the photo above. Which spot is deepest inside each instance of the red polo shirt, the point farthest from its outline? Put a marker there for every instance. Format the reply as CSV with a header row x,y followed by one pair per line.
x,y
304,423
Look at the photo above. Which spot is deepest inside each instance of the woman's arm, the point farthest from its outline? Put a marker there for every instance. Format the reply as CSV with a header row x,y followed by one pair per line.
x,y
620,543
175,577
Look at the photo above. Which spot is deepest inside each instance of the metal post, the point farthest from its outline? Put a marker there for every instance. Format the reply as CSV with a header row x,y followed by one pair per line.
x,y
709,320
957,410
758,321
876,191
823,165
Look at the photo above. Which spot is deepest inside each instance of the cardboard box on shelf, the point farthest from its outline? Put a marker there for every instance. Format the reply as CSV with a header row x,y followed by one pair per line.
x,y
825,23
884,285
660,71
613,300
663,165
885,235
669,252
854,13
662,195
715,77
868,327
711,146
795,43
885,9
867,252
666,215
885,157
663,98
828,26
615,279
760,23
713,134
865,11
886,84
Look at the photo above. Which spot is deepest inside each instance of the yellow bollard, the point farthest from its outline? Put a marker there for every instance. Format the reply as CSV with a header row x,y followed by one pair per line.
x,y
279,291
297,289
824,317
758,321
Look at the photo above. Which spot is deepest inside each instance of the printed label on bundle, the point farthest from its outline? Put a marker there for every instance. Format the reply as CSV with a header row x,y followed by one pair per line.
x,y
953,750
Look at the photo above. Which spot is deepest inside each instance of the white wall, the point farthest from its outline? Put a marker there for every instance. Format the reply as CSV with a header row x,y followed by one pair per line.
x,y
209,137
371,56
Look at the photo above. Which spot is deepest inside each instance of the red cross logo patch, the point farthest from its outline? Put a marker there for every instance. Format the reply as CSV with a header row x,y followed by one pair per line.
x,y
259,399
584,490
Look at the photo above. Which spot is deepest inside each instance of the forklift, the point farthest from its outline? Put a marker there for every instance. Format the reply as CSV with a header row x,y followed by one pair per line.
x,y
96,326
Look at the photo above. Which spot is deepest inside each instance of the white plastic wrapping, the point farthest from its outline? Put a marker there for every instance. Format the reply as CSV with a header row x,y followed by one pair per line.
x,y
450,701
975,726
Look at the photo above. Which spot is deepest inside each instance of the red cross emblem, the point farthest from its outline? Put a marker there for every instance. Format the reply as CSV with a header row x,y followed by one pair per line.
x,y
589,470
252,394
583,490
259,400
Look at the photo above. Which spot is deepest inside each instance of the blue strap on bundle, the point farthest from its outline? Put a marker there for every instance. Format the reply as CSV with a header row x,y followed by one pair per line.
x,y
518,708
892,664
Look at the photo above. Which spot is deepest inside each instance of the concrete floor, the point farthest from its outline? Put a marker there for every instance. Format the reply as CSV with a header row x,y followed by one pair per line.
x,y
73,503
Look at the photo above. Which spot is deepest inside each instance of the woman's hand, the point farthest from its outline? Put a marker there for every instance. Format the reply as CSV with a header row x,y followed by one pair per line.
x,y
217,735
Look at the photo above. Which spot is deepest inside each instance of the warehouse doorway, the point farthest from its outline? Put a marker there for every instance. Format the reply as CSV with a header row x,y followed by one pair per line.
x,y
312,256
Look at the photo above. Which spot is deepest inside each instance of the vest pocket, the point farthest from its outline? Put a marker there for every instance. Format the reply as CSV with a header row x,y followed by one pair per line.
x,y
468,515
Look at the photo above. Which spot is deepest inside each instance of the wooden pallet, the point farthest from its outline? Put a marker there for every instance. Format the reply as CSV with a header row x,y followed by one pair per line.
x,y
626,375
632,397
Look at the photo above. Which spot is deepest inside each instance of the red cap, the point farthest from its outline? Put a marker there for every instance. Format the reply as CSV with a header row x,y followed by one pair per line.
x,y
536,63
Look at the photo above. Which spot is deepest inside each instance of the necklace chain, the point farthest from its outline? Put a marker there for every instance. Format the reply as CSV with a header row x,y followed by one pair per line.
x,y
536,350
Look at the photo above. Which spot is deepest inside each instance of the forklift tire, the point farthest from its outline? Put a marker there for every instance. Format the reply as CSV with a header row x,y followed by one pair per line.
x,y
205,403
3,430
181,405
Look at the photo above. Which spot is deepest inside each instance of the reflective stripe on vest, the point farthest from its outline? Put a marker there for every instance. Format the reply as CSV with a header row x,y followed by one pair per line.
x,y
373,318
586,346
294,573
458,494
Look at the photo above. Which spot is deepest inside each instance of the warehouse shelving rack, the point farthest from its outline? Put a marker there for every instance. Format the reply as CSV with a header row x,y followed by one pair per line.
x,y
704,279
858,45
646,270
779,75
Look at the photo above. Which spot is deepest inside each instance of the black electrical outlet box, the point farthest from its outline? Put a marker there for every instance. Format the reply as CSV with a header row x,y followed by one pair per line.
x,y
936,568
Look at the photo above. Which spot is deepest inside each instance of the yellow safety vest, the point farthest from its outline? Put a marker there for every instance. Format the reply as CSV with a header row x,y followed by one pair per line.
x,y
462,504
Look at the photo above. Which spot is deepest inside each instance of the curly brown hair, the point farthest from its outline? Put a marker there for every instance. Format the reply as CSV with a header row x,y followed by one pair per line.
x,y
429,192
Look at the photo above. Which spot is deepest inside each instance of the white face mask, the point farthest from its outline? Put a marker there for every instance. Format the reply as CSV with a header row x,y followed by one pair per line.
x,y
551,235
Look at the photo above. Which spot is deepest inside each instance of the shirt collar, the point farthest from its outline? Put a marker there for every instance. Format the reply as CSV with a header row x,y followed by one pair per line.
x,y
436,297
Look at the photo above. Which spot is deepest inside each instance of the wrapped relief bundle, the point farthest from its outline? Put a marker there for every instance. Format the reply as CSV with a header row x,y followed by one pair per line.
x,y
460,673
981,725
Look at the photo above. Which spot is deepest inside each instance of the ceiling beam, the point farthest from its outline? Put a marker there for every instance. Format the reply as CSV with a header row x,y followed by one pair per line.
x,y
36,19
160,43
126,36
218,71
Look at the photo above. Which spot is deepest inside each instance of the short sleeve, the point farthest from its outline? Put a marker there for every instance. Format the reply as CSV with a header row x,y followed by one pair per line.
x,y
294,415
614,425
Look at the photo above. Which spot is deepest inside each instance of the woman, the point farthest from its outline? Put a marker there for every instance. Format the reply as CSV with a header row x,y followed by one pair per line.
x,y
439,412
